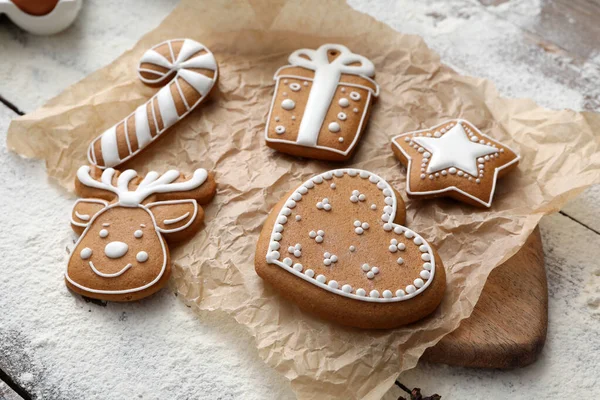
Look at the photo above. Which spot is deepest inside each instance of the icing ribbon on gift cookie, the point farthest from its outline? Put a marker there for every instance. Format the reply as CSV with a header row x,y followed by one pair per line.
x,y
121,254
188,71
327,77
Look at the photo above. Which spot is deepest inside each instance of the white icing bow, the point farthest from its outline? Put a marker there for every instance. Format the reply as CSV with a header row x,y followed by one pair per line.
x,y
319,58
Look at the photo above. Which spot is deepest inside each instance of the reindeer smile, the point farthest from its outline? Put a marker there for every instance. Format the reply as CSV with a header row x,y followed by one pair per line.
x,y
102,274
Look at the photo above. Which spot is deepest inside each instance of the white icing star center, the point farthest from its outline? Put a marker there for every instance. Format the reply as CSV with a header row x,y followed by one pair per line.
x,y
454,149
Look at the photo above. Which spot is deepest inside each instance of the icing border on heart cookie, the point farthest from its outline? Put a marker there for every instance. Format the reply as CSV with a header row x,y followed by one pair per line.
x,y
395,141
274,256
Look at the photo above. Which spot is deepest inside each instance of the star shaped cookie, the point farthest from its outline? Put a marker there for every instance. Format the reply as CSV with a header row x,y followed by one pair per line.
x,y
453,159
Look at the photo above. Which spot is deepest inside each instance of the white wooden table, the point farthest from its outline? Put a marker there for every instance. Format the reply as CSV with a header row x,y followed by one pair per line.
x,y
54,345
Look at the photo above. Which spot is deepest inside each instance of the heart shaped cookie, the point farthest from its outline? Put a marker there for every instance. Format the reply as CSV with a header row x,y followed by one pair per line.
x,y
337,247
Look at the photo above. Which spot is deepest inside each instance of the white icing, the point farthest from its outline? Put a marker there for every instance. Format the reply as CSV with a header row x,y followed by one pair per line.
x,y
103,233
164,98
141,256
85,253
288,104
334,127
355,96
83,217
295,87
116,249
342,116
343,102
114,275
151,184
273,257
176,220
280,129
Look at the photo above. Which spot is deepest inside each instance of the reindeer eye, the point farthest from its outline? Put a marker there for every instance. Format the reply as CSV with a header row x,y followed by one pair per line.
x,y
138,234
103,233
142,256
86,253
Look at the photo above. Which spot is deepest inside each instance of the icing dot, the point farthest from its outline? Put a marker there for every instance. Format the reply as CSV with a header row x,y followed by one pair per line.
x,y
355,96
312,234
370,274
298,267
373,207
288,261
387,294
427,266
344,102
333,284
419,282
347,289
418,241
295,87
280,129
334,127
342,116
425,257
288,104
320,233
310,273
343,90
365,226
411,289
425,274
400,293
319,239
398,230
275,246
86,253
423,248
332,186
359,230
142,256
355,110
341,140
321,278
481,160
361,292
138,234
103,233
305,83
400,261
452,170
352,248
408,234
276,119
365,267
374,293
296,197
274,255
375,270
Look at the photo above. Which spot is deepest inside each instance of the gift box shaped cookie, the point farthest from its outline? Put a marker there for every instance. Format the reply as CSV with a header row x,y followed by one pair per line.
x,y
322,103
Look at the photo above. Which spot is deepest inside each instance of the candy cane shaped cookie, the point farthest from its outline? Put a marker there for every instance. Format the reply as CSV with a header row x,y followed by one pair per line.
x,y
188,70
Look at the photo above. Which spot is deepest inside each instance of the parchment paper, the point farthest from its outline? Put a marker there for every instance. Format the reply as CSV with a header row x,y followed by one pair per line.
x,y
214,270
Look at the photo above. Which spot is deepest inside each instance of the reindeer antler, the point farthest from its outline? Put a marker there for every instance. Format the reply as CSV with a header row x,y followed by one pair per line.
x,y
152,183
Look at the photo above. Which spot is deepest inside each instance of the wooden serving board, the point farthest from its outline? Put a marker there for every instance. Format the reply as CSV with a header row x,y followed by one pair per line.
x,y
507,328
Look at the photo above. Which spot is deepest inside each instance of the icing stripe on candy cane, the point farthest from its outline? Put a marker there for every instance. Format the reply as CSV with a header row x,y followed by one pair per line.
x,y
194,72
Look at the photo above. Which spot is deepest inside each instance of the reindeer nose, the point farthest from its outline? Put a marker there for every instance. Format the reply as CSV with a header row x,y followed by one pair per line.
x,y
116,249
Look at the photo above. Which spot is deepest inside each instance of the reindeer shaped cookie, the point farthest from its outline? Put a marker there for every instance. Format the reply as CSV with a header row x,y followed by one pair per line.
x,y
124,221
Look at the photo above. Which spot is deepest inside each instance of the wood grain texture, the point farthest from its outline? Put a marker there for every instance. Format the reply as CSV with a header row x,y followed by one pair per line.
x,y
507,328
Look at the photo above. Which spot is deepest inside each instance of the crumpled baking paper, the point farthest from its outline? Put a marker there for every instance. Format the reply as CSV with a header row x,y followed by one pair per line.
x,y
215,271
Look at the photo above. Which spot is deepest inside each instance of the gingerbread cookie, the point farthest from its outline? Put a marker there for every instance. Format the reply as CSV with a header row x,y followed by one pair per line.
x,y
124,221
189,72
322,103
337,247
453,159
